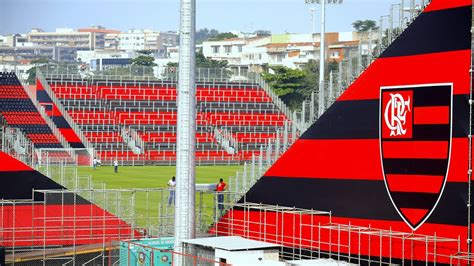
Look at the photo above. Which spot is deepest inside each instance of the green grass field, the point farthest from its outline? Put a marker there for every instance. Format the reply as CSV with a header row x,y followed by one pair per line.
x,y
155,204
153,176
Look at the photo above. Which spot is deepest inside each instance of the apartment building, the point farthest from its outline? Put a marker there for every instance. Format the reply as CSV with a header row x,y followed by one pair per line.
x,y
290,50
63,38
135,40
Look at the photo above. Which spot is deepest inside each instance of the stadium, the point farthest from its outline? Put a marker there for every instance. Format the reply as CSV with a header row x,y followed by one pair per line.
x,y
373,169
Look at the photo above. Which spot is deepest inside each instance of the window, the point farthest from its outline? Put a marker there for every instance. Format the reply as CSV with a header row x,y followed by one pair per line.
x,y
215,49
335,54
280,58
228,49
240,48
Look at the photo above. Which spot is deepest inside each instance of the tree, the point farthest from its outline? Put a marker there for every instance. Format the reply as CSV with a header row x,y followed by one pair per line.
x,y
263,32
223,36
32,71
288,84
364,25
144,52
293,86
144,58
204,35
203,62
143,64
172,64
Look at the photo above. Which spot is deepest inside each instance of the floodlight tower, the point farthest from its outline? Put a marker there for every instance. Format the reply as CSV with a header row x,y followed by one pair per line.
x,y
312,12
184,224
322,47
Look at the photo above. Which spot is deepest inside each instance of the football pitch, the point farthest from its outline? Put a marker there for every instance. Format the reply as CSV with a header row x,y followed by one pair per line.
x,y
129,177
153,176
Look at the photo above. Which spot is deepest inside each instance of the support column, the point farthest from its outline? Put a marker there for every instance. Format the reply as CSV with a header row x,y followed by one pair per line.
x,y
186,131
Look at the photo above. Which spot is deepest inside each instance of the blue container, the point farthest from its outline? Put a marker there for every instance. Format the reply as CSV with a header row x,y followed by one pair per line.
x,y
147,252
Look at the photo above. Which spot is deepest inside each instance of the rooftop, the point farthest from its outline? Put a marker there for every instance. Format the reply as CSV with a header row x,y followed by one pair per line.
x,y
231,243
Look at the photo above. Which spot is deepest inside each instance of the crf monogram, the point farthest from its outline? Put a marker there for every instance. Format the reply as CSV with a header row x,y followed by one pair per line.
x,y
396,113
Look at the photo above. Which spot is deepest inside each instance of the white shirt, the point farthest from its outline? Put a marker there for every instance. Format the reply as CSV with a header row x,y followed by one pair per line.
x,y
171,184
115,163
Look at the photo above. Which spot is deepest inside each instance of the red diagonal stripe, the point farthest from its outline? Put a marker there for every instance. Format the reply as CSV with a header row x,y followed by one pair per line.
x,y
414,183
446,4
357,159
431,115
414,215
417,69
415,149
8,164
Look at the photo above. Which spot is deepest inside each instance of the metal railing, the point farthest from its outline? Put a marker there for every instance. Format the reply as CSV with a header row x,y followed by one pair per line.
x,y
308,234
63,111
46,117
16,144
358,60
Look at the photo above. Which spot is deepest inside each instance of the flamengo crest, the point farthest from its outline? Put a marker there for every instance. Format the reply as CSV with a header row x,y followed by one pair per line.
x,y
395,114
415,147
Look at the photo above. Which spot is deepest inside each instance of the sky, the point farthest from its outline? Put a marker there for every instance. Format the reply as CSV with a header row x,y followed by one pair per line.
x,y
279,16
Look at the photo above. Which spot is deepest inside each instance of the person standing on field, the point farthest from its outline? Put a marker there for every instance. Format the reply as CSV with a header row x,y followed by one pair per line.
x,y
171,188
115,166
221,187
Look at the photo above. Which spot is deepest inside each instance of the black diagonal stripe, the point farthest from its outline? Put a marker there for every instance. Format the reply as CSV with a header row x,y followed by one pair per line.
x,y
18,185
427,133
364,199
347,120
413,200
431,132
433,32
432,96
360,120
415,166
429,95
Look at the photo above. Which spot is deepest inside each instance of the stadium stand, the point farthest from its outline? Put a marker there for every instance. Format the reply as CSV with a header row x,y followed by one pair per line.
x,y
107,110
31,219
353,163
18,111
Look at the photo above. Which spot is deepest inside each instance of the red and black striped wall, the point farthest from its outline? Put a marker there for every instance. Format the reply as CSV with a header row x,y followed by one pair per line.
x,y
336,165
57,219
57,117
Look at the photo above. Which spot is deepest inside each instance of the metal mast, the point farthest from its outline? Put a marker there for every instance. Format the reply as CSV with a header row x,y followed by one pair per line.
x,y
322,49
322,58
186,130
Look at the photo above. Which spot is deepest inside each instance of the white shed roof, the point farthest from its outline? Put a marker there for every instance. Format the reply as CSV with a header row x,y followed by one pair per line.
x,y
230,243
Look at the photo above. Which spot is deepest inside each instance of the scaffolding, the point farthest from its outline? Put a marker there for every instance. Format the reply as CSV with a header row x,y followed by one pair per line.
x,y
308,234
33,232
83,226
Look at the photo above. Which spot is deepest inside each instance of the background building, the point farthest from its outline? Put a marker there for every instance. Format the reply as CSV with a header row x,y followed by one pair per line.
x,y
135,40
289,50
